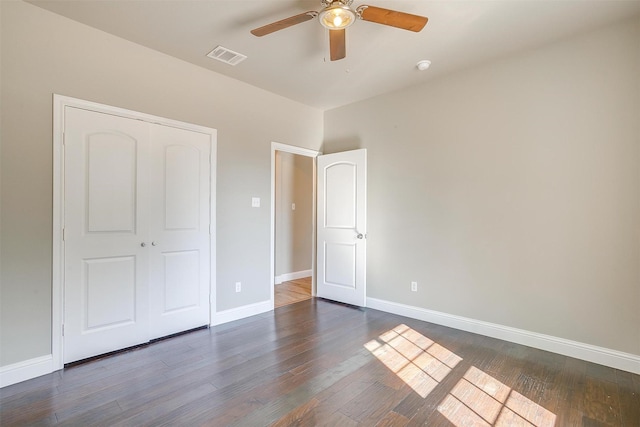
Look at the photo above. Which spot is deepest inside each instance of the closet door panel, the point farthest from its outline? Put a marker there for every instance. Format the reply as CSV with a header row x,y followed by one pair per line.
x,y
106,268
179,230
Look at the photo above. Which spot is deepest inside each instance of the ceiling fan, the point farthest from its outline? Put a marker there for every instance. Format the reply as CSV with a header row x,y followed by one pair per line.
x,y
337,15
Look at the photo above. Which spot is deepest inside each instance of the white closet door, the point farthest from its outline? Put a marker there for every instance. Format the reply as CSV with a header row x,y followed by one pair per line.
x,y
106,268
137,239
179,230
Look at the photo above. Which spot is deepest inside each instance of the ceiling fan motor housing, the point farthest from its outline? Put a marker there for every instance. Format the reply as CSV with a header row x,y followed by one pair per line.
x,y
337,15
327,3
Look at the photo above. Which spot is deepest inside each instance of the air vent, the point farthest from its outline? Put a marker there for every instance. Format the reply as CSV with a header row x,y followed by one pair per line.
x,y
226,55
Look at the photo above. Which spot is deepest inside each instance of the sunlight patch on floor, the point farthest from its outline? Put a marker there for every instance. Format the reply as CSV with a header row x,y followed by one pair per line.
x,y
478,399
421,363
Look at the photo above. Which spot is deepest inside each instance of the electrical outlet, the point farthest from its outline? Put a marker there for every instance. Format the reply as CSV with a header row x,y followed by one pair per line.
x,y
238,286
414,286
255,202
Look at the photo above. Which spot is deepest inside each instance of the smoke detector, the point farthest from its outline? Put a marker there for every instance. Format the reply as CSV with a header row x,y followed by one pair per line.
x,y
423,65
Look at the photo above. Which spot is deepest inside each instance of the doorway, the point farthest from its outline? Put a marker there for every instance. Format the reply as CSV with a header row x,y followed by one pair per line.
x,y
293,224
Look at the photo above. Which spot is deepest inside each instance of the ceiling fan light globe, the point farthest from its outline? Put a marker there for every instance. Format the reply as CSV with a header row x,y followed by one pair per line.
x,y
337,16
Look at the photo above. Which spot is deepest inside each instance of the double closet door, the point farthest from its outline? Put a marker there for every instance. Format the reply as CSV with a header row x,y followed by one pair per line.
x,y
136,232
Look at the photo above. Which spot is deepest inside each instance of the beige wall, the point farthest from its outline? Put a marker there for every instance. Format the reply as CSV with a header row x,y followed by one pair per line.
x,y
294,228
511,191
42,54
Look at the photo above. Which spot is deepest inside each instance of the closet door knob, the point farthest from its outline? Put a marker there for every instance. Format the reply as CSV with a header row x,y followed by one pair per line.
x,y
154,243
143,244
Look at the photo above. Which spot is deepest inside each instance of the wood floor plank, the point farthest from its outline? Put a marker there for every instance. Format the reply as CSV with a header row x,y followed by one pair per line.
x,y
43,384
629,398
392,419
601,401
298,415
152,409
336,419
292,291
336,395
315,363
277,408
373,403
87,396
93,416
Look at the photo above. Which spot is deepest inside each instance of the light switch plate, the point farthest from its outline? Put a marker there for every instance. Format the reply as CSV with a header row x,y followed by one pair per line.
x,y
255,202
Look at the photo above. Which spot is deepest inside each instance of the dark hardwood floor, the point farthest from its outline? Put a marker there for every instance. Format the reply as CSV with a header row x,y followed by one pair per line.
x,y
320,363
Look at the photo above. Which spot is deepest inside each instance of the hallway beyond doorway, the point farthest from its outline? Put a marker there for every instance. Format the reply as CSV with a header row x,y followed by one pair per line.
x,y
292,291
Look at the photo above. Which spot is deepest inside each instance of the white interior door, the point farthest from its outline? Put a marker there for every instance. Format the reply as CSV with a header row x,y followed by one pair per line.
x,y
106,268
179,230
342,227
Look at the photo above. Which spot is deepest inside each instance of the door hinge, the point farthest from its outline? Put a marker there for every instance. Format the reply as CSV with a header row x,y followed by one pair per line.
x,y
63,234
63,330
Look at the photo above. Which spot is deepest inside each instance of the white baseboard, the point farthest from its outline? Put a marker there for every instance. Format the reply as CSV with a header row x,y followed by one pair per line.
x,y
32,368
591,353
25,370
241,312
292,276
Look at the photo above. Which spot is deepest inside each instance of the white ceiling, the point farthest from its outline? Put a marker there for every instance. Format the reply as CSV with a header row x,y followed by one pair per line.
x,y
294,62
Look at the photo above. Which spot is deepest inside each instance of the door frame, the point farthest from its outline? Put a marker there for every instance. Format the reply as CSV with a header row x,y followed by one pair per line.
x,y
276,146
60,102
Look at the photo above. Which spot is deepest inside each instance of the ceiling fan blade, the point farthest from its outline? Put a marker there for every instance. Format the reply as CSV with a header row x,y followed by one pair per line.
x,y
284,23
393,18
337,44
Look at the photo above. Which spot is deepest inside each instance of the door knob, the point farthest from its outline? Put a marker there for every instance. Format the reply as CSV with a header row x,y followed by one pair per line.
x,y
154,243
360,236
143,244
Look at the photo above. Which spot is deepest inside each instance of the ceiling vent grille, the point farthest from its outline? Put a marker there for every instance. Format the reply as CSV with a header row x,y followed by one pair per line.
x,y
226,55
